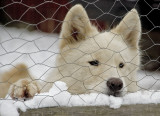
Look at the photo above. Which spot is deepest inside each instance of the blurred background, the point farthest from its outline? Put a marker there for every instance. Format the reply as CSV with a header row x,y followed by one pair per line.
x,y
47,16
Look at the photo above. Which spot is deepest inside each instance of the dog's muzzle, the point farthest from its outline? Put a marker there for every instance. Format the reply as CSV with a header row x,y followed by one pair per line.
x,y
114,85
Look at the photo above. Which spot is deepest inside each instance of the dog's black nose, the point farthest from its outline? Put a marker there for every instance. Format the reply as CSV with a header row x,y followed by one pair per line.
x,y
114,84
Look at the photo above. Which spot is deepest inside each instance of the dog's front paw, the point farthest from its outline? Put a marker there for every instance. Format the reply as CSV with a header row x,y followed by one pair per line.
x,y
24,89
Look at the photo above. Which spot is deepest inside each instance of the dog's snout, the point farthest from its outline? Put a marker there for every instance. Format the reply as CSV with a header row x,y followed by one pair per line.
x,y
114,84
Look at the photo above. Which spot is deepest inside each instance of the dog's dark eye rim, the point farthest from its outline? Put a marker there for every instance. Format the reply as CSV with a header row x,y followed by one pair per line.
x,y
94,62
121,65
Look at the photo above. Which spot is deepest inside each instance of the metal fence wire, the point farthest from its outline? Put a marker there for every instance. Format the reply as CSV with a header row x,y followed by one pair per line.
x,y
30,35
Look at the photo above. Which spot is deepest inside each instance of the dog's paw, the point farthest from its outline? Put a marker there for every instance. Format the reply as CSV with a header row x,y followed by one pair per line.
x,y
24,89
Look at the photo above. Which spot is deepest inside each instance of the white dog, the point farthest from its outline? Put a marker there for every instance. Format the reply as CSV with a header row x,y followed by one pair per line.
x,y
89,61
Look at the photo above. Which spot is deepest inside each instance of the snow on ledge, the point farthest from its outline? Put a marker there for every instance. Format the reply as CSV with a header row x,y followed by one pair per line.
x,y
58,96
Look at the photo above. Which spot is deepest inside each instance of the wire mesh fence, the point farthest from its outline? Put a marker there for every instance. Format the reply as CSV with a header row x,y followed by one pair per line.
x,y
58,53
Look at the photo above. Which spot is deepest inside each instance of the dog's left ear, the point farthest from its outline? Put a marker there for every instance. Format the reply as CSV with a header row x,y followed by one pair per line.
x,y
76,26
130,28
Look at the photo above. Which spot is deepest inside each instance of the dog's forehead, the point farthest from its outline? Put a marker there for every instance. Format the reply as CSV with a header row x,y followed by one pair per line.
x,y
105,40
111,41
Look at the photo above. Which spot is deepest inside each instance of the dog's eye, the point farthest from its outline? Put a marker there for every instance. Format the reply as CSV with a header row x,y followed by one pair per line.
x,y
121,65
94,63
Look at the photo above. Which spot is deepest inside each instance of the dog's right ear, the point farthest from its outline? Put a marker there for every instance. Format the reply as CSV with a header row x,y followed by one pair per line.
x,y
130,28
76,26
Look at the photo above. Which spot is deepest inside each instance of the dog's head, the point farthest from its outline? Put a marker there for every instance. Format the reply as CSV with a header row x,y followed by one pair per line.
x,y
104,62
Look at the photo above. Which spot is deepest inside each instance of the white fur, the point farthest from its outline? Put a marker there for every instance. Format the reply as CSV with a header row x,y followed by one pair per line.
x,y
81,42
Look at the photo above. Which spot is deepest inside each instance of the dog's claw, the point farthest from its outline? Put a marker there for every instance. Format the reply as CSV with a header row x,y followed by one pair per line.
x,y
24,89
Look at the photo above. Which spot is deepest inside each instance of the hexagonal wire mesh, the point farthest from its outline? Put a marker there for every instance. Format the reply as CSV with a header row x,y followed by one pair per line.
x,y
84,65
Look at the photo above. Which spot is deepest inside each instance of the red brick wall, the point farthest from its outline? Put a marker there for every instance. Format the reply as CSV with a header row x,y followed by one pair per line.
x,y
45,15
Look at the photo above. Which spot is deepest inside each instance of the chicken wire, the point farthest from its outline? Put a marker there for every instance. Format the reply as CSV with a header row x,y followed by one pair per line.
x,y
38,49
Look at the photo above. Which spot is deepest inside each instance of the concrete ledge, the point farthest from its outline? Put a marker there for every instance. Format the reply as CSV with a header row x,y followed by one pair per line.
x,y
128,110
